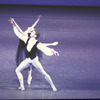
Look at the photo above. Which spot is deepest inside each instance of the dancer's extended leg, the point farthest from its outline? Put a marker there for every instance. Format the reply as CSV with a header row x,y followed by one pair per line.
x,y
39,67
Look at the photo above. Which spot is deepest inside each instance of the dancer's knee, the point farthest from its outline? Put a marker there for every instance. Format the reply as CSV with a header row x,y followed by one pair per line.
x,y
46,75
16,70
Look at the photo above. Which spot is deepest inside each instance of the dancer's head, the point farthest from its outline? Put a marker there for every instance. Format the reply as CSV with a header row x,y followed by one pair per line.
x,y
32,32
35,34
29,34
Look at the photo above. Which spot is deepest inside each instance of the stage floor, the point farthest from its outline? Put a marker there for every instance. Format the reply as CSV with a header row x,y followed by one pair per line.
x,y
76,72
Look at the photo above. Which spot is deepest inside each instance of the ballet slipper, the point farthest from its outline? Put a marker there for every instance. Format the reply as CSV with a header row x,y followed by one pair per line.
x,y
21,88
54,88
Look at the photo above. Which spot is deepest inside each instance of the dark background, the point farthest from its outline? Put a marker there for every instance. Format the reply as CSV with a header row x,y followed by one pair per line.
x,y
53,2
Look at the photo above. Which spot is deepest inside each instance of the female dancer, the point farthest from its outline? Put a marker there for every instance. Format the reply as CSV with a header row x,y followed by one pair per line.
x,y
21,55
31,48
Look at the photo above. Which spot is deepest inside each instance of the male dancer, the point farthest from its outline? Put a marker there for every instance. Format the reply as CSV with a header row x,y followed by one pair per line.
x,y
21,53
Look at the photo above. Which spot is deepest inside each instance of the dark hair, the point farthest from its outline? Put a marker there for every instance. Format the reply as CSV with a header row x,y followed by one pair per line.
x,y
37,33
29,34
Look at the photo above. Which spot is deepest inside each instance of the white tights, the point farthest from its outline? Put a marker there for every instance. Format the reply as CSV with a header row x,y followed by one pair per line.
x,y
35,62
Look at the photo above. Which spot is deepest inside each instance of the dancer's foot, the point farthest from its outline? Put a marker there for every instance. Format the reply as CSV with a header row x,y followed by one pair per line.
x,y
29,80
54,88
21,88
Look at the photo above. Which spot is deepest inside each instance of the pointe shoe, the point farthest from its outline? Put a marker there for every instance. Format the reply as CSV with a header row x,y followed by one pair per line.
x,y
54,88
29,80
21,88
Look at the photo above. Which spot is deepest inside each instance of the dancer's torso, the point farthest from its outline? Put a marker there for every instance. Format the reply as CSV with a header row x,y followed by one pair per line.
x,y
31,48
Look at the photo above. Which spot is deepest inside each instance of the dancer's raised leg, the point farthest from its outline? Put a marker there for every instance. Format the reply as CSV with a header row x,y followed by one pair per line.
x,y
39,67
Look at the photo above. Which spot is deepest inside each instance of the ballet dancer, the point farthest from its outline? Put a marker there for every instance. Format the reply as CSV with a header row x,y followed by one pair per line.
x,y
32,45
20,54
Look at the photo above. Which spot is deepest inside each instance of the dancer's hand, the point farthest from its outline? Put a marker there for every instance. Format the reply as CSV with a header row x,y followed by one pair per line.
x,y
40,16
55,43
55,52
12,21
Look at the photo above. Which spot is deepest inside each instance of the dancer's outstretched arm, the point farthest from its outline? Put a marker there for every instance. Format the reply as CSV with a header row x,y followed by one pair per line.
x,y
32,27
15,24
46,50
17,31
36,21
50,44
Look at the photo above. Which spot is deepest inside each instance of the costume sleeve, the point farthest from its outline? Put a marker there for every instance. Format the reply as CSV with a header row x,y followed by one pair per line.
x,y
19,35
50,44
46,50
